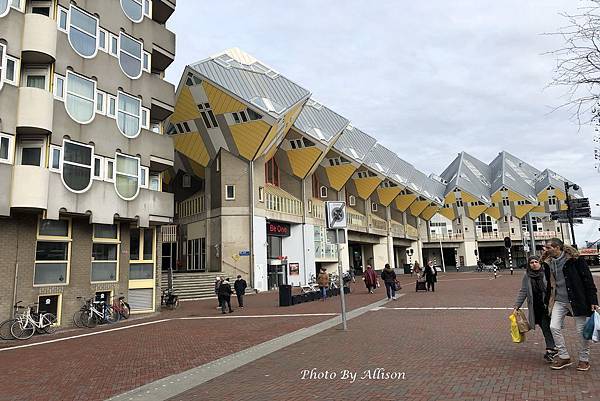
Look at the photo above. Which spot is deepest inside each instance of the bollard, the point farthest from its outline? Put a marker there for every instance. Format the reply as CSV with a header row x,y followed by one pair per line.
x,y
511,271
495,272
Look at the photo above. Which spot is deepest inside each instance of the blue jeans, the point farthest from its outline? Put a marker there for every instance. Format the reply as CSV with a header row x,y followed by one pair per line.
x,y
323,292
390,289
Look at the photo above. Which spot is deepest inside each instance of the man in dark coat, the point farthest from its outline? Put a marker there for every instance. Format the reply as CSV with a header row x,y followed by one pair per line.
x,y
430,276
225,295
573,293
240,289
388,275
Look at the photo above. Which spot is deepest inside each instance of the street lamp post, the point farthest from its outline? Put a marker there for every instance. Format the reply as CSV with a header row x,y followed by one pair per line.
x,y
570,211
442,253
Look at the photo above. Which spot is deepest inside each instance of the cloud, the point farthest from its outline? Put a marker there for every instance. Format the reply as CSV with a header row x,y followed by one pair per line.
x,y
427,79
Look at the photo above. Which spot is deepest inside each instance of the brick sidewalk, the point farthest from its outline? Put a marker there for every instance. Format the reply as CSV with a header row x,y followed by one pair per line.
x,y
445,355
100,366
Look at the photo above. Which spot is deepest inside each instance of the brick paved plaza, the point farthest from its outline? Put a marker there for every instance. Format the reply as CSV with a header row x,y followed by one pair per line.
x,y
453,354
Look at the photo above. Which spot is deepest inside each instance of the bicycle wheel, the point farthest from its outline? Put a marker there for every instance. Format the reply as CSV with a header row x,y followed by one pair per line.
x,y
5,333
78,318
125,310
49,323
175,302
89,319
22,330
111,315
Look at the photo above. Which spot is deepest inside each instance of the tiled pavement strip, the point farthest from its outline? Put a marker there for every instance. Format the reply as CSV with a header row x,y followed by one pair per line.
x,y
423,343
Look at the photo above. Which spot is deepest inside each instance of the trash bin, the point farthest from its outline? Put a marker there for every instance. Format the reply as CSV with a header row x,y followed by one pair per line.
x,y
285,295
407,268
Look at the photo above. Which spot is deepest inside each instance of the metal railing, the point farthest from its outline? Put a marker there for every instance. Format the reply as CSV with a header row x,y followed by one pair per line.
x,y
169,233
192,206
446,237
496,235
317,210
281,202
356,219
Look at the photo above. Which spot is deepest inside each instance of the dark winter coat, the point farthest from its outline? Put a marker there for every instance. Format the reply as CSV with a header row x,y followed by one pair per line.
x,y
526,291
225,289
580,285
370,278
388,275
430,274
240,286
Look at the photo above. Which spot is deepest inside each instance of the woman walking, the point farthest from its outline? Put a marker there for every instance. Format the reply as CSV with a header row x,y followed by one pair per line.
x,y
323,281
370,278
430,276
536,289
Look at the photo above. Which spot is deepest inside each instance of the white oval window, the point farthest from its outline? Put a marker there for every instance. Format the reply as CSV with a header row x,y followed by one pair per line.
x,y
77,166
133,9
83,32
130,56
127,176
128,115
80,98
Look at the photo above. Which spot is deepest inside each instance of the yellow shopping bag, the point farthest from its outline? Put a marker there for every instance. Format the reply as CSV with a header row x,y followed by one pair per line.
x,y
516,335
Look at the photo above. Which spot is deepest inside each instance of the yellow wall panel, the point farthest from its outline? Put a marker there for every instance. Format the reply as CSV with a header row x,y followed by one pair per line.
x,y
513,196
366,186
417,207
192,146
467,197
429,212
450,198
185,107
302,160
289,118
404,201
249,136
539,209
448,213
563,206
339,175
474,211
387,195
543,196
522,210
199,170
497,197
560,194
221,102
494,212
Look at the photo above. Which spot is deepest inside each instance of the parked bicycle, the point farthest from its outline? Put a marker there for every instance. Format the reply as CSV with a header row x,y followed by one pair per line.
x,y
5,333
94,312
169,299
121,307
26,324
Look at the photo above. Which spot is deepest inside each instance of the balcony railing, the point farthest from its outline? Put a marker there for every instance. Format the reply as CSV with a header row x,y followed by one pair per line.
x,y
169,233
446,237
192,206
397,229
541,234
317,210
378,224
494,236
277,200
356,219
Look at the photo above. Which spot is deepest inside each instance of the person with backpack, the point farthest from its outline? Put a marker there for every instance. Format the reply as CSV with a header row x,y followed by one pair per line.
x,y
388,275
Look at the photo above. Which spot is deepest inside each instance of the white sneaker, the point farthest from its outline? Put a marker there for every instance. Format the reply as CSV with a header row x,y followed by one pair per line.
x,y
394,297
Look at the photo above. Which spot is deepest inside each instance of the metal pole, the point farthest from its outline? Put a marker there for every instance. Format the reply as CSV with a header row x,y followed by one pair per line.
x,y
531,237
442,253
570,214
341,280
510,261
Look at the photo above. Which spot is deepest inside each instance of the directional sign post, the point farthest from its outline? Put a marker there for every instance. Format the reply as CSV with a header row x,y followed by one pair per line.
x,y
335,213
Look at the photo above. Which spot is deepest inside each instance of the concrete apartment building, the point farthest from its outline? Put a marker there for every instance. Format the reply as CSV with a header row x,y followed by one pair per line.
x,y
82,151
256,158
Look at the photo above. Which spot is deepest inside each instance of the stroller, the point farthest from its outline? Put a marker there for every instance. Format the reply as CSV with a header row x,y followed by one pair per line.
x,y
420,285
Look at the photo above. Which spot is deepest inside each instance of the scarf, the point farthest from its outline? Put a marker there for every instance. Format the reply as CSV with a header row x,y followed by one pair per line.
x,y
537,280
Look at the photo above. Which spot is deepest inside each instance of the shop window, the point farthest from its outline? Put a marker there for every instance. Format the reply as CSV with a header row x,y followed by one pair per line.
x,y
77,166
130,56
52,252
128,116
83,32
127,176
6,148
80,100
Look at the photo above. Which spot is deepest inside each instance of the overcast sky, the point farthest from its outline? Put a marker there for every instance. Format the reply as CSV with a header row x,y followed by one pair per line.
x,y
427,79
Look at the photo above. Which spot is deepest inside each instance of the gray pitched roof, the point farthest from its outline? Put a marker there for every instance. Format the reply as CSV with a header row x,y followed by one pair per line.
x,y
550,178
255,83
427,187
381,159
354,143
401,171
514,174
470,175
320,122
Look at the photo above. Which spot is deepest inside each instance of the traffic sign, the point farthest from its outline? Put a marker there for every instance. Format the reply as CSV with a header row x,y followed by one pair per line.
x,y
336,214
576,213
579,203
566,221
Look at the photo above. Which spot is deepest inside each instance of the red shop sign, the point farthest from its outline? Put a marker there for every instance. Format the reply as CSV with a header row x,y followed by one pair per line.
x,y
278,229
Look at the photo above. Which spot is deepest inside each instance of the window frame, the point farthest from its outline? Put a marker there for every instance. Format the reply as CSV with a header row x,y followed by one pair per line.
x,y
91,166
141,3
374,207
58,77
144,177
107,241
139,116
152,178
141,58
100,176
106,47
8,7
38,141
116,173
102,110
108,161
38,71
111,98
323,192
95,92
227,187
352,200
51,159
16,68
50,238
65,12
11,148
97,35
